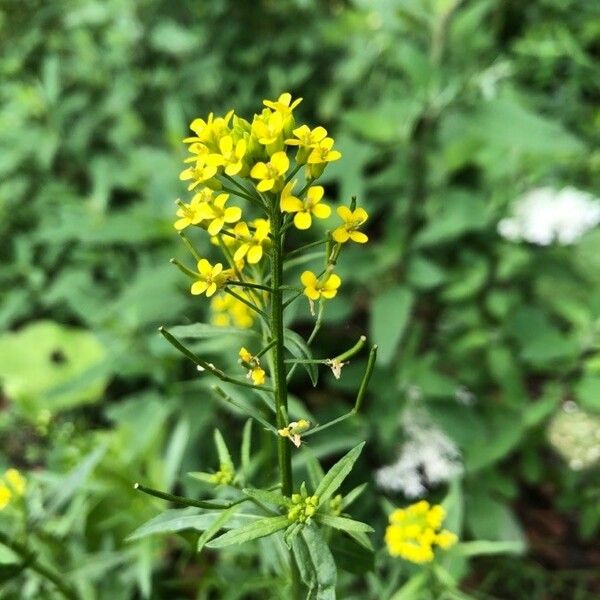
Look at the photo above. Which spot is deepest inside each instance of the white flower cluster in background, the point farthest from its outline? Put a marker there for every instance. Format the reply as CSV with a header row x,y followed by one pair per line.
x,y
545,215
428,457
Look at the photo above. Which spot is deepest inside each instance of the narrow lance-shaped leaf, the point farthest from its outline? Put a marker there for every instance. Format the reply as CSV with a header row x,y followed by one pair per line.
x,y
266,496
253,531
216,526
343,523
336,475
321,557
222,450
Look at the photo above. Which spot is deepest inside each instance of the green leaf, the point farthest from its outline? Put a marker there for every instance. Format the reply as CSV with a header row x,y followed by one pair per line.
x,y
252,531
413,588
172,521
222,450
204,330
215,527
266,496
305,564
389,316
298,348
245,448
587,391
352,495
354,555
484,547
70,367
69,485
336,475
343,523
322,559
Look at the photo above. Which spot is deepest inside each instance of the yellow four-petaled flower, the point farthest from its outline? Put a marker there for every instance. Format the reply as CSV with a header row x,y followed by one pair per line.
x,y
314,288
304,210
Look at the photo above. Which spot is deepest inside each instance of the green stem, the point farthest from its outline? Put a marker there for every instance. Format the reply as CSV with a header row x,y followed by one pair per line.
x,y
35,565
278,351
182,500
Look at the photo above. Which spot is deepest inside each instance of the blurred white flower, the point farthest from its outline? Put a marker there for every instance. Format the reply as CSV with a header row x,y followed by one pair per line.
x,y
428,457
545,215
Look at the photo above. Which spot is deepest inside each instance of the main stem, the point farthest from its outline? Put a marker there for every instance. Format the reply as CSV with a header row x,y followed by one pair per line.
x,y
279,374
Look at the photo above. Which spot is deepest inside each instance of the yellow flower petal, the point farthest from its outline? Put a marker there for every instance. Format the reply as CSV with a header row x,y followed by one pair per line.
x,y
302,220
255,254
359,237
344,212
321,211
215,226
308,279
198,287
291,204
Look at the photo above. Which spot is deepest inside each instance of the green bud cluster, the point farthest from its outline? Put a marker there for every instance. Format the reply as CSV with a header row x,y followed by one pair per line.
x,y
335,505
224,476
302,508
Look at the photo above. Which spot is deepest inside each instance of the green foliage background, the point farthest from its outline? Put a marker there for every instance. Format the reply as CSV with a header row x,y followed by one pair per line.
x,y
445,112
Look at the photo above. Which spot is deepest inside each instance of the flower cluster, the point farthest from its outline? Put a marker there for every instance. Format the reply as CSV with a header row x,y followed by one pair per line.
x,y
224,476
12,487
255,161
415,530
303,507
545,215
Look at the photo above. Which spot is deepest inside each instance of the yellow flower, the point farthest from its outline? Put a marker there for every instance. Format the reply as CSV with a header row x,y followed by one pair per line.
x,y
294,431
209,131
190,214
306,139
16,481
271,173
322,152
5,496
304,209
210,278
201,172
218,215
252,244
348,230
231,156
245,355
314,289
257,375
227,311
283,105
413,532
268,128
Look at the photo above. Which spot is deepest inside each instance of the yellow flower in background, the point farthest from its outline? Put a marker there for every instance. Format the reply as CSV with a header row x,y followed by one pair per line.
x,y
348,230
5,496
210,278
314,289
414,531
252,244
15,481
231,155
228,311
218,215
304,209
271,174
283,105
294,431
